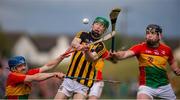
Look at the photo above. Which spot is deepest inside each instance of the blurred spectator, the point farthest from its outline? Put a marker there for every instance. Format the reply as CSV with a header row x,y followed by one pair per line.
x,y
1,69
2,82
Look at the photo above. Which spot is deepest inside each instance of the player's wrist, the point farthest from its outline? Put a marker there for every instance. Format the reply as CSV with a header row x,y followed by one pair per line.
x,y
61,58
177,71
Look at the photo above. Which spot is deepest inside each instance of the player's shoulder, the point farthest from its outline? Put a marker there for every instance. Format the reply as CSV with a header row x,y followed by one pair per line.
x,y
14,74
142,44
82,33
163,45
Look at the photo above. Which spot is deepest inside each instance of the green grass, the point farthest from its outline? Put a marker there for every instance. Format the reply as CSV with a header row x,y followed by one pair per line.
x,y
123,70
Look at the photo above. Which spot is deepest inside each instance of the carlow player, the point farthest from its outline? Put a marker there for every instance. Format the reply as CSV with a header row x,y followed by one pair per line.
x,y
152,56
19,80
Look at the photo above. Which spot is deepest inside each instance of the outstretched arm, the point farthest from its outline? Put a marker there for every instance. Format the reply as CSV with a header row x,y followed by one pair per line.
x,y
43,76
53,63
122,54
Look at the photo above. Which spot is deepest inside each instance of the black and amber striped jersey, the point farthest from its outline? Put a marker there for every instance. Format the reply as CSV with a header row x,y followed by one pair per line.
x,y
79,66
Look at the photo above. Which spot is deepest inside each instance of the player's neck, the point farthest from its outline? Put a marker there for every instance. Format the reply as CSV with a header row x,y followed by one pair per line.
x,y
154,45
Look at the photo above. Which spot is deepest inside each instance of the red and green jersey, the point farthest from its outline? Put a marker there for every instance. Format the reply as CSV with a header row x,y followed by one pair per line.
x,y
152,64
16,88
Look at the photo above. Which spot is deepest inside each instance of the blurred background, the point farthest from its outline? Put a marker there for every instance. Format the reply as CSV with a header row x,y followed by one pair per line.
x,y
40,30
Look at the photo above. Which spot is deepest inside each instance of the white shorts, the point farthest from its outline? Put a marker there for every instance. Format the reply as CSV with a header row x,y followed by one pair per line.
x,y
164,92
69,87
96,89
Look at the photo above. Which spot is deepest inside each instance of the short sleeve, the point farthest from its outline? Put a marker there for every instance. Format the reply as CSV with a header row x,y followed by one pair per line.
x,y
136,49
33,71
15,78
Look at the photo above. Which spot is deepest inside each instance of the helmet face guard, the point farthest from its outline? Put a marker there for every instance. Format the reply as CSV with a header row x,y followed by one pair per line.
x,y
153,28
16,61
103,21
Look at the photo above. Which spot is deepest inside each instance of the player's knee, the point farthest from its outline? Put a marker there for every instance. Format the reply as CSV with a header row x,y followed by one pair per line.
x,y
93,97
79,96
60,95
143,96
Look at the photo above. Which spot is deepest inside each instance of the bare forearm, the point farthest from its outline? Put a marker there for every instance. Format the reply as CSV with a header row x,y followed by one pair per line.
x,y
38,77
120,55
54,62
175,68
51,64
44,76
124,54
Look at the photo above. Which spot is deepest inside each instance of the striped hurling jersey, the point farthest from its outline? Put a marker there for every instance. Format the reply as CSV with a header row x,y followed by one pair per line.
x,y
79,66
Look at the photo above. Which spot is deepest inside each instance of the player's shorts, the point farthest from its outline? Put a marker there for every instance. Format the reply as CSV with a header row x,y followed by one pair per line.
x,y
96,89
69,87
163,92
